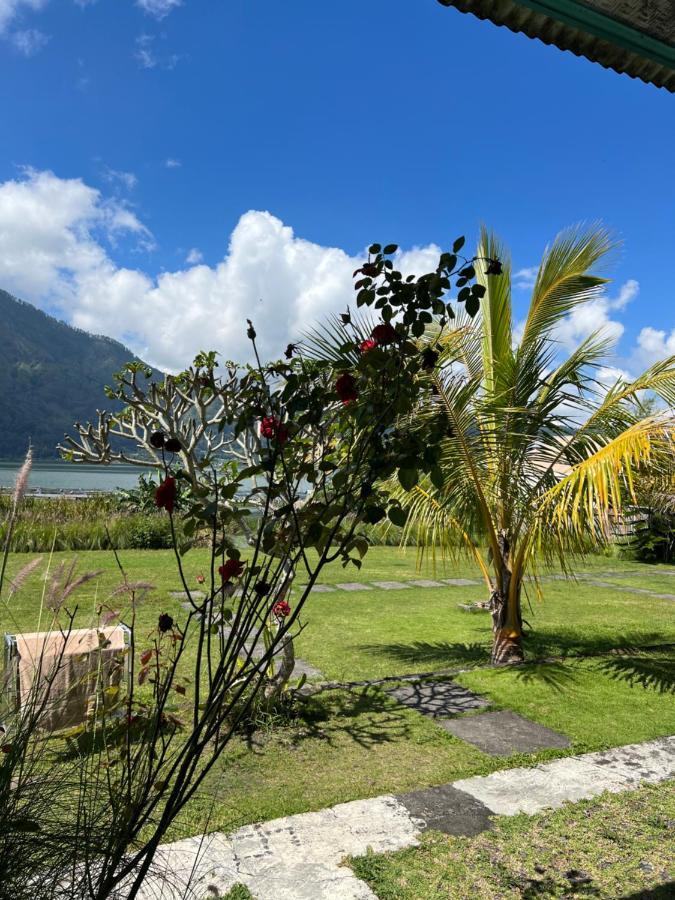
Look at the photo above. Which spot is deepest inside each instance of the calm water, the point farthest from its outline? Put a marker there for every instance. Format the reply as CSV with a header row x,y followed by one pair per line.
x,y
62,476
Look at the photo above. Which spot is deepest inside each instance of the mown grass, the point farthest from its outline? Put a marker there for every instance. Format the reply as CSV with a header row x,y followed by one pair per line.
x,y
348,745
615,846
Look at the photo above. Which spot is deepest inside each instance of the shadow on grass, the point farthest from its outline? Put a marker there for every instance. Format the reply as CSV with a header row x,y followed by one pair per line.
x,y
421,653
367,717
556,675
662,892
573,642
650,670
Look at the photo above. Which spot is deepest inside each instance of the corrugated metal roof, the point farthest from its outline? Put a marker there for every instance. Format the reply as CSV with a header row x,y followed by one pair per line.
x,y
635,37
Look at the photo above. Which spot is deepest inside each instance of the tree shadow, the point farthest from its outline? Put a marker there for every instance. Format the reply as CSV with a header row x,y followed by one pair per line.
x,y
649,670
428,652
368,717
555,674
662,892
562,642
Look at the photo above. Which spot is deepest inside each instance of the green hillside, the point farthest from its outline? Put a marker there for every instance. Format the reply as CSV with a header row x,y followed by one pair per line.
x,y
51,375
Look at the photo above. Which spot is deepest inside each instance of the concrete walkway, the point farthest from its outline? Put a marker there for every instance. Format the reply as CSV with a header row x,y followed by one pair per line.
x,y
595,578
299,857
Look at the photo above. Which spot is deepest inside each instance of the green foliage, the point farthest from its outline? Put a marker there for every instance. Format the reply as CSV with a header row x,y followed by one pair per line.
x,y
91,523
653,538
51,375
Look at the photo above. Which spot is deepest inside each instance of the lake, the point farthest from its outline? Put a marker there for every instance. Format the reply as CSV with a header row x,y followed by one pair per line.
x,y
62,476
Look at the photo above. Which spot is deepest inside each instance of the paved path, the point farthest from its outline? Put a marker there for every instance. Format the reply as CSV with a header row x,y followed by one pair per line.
x,y
595,578
298,857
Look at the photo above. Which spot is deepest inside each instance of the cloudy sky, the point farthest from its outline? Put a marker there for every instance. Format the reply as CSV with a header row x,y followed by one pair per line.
x,y
170,167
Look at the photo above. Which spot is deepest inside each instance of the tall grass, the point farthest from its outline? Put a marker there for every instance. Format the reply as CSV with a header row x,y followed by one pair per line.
x,y
88,523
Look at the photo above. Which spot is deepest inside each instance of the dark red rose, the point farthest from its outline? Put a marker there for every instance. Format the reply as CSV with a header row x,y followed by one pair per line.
x,y
165,623
261,588
165,495
494,267
273,429
345,387
231,569
370,269
281,609
173,445
368,344
384,334
157,439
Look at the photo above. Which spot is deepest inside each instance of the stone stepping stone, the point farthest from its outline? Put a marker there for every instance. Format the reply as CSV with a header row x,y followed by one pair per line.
x,y
318,588
504,733
425,583
391,585
460,582
438,699
181,595
353,586
448,810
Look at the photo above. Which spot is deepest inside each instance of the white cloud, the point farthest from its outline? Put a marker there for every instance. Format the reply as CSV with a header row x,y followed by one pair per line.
x,y
55,249
158,8
11,8
30,41
596,316
194,256
147,57
653,344
127,180
172,163
525,278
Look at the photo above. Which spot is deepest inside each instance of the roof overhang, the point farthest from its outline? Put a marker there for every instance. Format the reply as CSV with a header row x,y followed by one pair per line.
x,y
636,37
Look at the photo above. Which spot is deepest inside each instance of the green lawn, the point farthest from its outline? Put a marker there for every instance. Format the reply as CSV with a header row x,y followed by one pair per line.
x,y
610,847
347,745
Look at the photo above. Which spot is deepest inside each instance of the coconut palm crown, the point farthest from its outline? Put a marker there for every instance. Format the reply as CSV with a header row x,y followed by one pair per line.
x,y
541,455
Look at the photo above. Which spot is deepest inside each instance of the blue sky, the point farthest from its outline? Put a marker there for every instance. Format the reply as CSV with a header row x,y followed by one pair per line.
x,y
136,132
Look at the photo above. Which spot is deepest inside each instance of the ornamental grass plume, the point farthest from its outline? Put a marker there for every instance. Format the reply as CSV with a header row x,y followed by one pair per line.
x,y
21,481
20,485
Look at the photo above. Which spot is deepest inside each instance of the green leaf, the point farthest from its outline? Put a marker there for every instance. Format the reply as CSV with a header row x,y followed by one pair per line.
x,y
437,479
374,248
397,515
408,478
472,305
459,243
390,248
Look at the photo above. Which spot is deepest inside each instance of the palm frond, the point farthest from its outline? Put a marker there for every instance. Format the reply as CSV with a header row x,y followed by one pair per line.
x,y
564,280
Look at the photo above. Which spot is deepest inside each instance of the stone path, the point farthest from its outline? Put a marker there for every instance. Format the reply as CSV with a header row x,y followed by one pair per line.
x,y
299,857
498,733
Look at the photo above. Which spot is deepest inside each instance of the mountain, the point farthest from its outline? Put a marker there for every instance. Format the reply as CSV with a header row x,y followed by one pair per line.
x,y
51,375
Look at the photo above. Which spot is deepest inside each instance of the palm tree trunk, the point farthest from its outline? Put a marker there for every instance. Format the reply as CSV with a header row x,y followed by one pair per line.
x,y
507,622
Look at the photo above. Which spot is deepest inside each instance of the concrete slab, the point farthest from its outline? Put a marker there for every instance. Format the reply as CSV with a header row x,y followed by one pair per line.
x,y
503,733
353,586
426,583
392,585
448,810
438,698
323,589
182,595
460,582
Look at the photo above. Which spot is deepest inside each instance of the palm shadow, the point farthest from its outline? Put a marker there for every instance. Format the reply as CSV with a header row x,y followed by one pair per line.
x,y
654,671
420,653
662,892
555,674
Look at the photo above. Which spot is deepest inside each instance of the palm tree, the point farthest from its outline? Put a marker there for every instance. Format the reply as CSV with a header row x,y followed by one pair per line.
x,y
541,454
